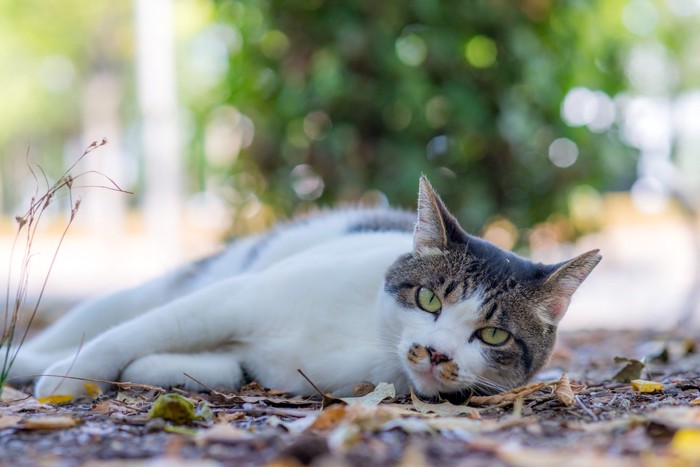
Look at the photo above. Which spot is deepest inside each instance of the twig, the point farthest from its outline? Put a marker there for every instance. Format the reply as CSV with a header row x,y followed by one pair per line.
x,y
586,409
312,383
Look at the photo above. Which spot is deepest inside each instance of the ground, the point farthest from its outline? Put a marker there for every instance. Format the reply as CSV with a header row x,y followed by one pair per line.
x,y
604,420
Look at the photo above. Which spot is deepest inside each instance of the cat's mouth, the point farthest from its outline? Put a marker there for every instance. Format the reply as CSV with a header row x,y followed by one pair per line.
x,y
434,372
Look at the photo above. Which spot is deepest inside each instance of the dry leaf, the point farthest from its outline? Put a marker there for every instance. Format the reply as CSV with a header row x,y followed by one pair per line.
x,y
382,392
56,399
444,409
509,396
11,395
563,391
330,417
644,386
10,421
50,423
632,369
695,401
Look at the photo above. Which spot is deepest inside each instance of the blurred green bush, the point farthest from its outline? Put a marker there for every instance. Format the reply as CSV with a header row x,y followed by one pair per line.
x,y
360,94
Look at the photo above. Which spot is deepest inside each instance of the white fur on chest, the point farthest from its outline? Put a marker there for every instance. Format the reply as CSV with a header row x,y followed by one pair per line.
x,y
316,311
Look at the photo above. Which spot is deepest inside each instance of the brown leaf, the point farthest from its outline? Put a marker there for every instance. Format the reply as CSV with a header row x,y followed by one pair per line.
x,y
50,423
632,370
563,391
330,417
509,396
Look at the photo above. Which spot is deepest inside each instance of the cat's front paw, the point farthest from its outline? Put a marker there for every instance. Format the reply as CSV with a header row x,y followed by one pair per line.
x,y
67,378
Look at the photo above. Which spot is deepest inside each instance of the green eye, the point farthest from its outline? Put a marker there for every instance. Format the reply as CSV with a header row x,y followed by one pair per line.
x,y
428,301
493,336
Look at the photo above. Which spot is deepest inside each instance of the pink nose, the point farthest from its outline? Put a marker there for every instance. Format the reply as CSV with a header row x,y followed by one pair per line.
x,y
436,357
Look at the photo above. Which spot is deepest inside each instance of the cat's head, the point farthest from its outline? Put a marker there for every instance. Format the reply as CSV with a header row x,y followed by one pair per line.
x,y
466,315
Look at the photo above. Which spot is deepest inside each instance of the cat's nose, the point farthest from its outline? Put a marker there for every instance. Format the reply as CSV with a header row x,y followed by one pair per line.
x,y
436,357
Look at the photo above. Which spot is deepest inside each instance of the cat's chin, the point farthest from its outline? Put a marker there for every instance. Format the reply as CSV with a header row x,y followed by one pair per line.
x,y
429,387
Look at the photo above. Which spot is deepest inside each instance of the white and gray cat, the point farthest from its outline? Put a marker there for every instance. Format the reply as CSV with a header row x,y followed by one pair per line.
x,y
348,296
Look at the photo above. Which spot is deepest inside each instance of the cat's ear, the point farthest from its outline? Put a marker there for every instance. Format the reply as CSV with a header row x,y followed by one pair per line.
x,y
435,226
560,285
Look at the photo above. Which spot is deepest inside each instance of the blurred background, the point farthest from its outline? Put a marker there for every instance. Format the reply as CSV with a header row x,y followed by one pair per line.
x,y
547,127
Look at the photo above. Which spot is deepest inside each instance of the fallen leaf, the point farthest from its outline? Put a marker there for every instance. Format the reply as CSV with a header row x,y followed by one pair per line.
x,y
508,396
179,410
644,386
382,392
444,408
11,395
10,421
93,390
329,417
686,444
563,391
56,399
50,423
632,369
695,401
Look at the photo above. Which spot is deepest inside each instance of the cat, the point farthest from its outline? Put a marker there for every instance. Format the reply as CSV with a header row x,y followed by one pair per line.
x,y
348,296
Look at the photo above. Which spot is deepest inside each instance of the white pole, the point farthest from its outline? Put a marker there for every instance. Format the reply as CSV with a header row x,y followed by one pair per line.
x,y
157,96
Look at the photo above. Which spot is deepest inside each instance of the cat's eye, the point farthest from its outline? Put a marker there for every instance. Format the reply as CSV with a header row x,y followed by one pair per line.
x,y
428,301
493,336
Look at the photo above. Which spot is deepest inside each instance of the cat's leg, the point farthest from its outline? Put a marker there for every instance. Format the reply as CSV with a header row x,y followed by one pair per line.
x,y
69,333
213,369
206,319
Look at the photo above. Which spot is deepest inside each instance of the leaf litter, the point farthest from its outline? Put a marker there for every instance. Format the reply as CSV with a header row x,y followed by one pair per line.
x,y
581,416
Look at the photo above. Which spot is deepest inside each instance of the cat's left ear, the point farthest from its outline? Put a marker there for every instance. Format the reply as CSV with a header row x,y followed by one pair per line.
x,y
560,285
435,227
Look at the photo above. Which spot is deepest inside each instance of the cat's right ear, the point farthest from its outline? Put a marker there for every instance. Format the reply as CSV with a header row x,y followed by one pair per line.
x,y
435,226
563,282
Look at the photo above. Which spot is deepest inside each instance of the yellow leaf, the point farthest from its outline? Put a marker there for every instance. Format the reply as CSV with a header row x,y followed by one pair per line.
x,y
686,443
174,408
641,385
93,390
56,400
695,401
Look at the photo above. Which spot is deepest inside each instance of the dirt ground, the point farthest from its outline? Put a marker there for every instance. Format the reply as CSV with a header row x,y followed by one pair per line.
x,y
604,420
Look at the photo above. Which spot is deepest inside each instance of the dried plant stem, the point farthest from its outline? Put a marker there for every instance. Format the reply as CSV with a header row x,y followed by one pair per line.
x,y
26,233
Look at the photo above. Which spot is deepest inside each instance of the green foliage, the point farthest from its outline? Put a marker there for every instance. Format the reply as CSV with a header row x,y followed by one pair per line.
x,y
372,94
